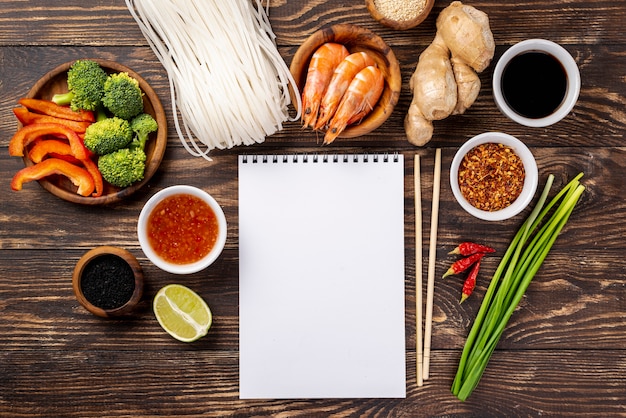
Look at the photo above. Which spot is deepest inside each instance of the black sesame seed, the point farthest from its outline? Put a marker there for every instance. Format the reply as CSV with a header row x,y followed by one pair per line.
x,y
108,282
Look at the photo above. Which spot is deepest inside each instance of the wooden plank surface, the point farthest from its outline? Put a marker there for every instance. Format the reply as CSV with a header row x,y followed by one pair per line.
x,y
563,353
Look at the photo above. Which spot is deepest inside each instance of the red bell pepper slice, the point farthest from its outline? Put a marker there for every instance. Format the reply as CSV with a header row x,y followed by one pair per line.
x,y
27,117
29,133
93,170
55,148
46,147
77,175
50,108
69,158
90,153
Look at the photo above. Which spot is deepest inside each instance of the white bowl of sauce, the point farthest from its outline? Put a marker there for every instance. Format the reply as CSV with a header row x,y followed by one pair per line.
x,y
536,83
182,229
494,176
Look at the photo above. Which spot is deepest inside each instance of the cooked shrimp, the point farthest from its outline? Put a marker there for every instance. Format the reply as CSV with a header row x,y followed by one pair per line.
x,y
343,75
323,64
360,98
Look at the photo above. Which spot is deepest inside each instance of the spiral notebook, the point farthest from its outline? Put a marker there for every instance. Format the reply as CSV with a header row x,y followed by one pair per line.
x,y
321,276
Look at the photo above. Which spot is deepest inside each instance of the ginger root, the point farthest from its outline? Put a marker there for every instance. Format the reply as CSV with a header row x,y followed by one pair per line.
x,y
445,81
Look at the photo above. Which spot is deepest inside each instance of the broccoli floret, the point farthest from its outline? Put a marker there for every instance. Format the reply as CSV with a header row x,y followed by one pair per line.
x,y
143,125
122,96
85,82
125,166
108,135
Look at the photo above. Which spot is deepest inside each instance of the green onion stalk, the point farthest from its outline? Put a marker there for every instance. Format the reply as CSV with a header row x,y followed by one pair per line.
x,y
518,266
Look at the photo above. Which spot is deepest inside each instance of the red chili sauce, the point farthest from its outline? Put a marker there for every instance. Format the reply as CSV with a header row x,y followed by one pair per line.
x,y
182,229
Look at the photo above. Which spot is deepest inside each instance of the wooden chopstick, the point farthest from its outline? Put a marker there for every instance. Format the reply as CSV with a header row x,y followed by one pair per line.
x,y
418,269
434,218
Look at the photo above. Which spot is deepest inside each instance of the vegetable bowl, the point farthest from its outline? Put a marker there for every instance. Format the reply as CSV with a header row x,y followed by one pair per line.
x,y
54,82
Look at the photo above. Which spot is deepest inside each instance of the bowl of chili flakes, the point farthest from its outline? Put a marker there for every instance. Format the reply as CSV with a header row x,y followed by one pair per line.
x,y
494,176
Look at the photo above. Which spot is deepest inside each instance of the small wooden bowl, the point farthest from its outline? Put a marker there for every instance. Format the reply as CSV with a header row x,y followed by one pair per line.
x,y
399,24
54,82
127,257
355,39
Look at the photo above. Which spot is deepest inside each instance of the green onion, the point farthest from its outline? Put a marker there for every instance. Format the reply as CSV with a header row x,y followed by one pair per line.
x,y
516,270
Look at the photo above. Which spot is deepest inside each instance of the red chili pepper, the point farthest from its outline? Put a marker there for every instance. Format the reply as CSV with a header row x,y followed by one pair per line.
x,y
463,264
77,175
469,248
50,108
27,117
29,133
470,282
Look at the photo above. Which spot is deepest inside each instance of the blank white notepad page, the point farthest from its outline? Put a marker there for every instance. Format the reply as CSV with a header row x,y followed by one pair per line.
x,y
321,276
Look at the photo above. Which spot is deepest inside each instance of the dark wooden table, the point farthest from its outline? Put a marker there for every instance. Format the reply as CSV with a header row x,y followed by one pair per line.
x,y
563,352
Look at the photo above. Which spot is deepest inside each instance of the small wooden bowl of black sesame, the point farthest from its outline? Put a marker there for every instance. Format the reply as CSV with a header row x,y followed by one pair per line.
x,y
108,281
400,14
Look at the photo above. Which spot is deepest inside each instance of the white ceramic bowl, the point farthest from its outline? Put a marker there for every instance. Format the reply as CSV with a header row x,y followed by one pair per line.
x,y
181,268
571,70
530,181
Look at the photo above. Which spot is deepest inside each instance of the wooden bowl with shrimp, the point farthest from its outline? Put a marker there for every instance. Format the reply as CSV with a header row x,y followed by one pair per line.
x,y
355,39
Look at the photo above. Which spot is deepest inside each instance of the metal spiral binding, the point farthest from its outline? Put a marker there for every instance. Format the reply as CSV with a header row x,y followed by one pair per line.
x,y
315,158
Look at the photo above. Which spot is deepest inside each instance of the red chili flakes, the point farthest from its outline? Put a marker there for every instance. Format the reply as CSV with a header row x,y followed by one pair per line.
x,y
491,176
182,229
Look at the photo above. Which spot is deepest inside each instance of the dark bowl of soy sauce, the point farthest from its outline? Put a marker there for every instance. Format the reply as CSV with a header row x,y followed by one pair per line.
x,y
536,83
108,281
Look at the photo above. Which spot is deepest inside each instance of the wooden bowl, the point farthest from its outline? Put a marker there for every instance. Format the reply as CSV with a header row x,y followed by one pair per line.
x,y
103,251
55,82
355,39
399,24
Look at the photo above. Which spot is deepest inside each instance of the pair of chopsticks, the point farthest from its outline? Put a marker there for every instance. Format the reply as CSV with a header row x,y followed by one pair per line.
x,y
423,352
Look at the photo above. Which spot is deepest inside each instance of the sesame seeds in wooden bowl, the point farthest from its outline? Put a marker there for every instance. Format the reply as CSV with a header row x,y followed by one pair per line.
x,y
400,14
108,281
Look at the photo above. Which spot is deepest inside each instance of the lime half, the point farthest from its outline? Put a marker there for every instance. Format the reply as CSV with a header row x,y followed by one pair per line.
x,y
182,312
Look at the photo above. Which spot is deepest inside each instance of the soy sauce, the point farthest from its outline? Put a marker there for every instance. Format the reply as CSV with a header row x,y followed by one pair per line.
x,y
534,84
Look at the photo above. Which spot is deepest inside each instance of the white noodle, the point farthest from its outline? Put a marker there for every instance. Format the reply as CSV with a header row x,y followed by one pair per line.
x,y
229,86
